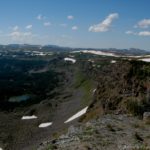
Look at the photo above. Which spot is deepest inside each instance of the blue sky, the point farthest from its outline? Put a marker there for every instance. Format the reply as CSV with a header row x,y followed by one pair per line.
x,y
76,23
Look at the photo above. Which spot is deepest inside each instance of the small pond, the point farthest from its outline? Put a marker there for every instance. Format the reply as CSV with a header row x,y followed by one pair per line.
x,y
20,98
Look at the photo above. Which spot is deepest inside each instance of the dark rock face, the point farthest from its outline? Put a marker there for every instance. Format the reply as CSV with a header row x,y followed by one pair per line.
x,y
122,88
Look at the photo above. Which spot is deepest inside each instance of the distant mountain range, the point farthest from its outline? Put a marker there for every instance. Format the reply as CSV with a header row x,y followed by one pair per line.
x,y
18,47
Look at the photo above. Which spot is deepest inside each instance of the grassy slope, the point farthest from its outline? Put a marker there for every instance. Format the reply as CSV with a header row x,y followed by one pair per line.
x,y
86,85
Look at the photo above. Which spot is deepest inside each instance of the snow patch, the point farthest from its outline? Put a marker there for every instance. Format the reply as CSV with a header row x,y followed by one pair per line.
x,y
113,61
29,117
77,115
94,90
70,59
44,125
92,61
71,56
145,59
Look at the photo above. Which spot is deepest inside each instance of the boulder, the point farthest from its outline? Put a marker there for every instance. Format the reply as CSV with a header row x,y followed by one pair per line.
x,y
146,117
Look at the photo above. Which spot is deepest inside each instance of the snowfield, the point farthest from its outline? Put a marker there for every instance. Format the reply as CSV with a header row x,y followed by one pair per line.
x,y
96,53
29,117
44,125
99,52
70,59
77,115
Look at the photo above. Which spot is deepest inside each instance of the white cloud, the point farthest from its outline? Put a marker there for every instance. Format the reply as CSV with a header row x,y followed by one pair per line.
x,y
144,33
74,28
105,24
145,23
130,32
40,17
46,24
141,33
70,17
29,26
15,28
